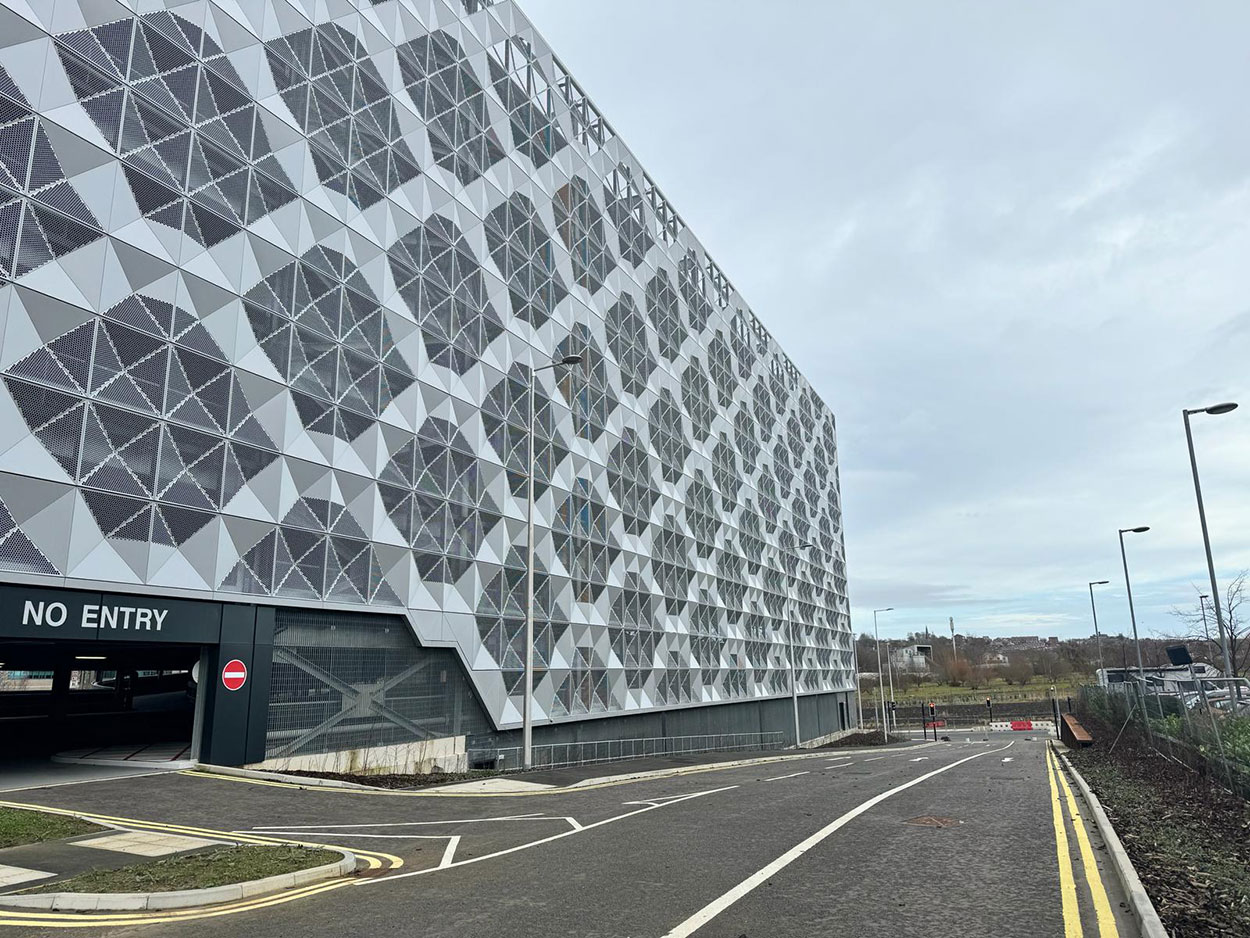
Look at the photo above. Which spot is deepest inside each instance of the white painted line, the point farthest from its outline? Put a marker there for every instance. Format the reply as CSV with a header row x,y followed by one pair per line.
x,y
354,836
450,852
574,823
1009,759
536,816
545,840
921,759
840,764
777,778
874,758
720,904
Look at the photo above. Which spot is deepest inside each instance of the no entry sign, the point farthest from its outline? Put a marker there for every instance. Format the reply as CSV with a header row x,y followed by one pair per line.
x,y
234,674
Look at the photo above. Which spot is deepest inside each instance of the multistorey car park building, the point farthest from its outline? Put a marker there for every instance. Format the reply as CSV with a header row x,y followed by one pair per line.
x,y
274,275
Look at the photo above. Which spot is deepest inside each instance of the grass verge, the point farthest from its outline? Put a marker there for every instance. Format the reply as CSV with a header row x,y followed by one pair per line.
x,y
221,866
427,780
18,826
1189,840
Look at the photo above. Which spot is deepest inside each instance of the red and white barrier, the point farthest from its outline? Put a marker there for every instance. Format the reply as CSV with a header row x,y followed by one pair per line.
x,y
1026,726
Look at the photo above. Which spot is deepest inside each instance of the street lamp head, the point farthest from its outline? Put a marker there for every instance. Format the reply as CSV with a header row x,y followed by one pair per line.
x,y
1141,530
571,360
1099,582
1216,409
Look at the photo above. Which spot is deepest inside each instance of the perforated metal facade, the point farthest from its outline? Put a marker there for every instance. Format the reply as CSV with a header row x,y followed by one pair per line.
x,y
272,274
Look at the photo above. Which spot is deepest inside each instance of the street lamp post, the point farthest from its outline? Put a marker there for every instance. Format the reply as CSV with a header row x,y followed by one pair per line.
x,y
889,669
1214,410
1206,629
1141,671
885,733
1094,610
793,644
527,719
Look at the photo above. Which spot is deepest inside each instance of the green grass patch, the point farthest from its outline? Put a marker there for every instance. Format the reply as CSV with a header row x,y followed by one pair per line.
x,y
221,866
998,689
19,827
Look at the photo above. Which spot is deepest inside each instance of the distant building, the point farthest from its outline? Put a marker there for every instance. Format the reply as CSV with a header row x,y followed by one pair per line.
x,y
916,659
995,659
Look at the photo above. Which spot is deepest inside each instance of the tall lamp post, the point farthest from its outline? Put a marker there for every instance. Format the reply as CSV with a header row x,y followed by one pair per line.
x,y
792,651
1206,629
1094,610
885,732
527,730
1214,410
1141,671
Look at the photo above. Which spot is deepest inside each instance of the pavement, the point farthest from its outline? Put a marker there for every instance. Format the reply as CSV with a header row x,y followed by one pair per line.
x,y
969,837
23,773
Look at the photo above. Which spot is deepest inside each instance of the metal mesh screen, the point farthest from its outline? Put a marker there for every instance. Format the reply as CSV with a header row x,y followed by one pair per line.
x,y
345,681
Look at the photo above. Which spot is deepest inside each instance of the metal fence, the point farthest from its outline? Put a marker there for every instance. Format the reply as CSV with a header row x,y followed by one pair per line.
x,y
556,755
1185,729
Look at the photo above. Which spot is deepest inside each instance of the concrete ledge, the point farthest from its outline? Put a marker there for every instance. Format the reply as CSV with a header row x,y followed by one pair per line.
x,y
182,898
829,738
1138,899
265,776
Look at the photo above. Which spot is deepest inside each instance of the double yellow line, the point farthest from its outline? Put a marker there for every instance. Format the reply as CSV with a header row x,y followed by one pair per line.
x,y
374,860
1067,877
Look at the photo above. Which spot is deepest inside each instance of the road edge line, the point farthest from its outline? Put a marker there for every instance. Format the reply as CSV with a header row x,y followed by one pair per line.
x,y
1143,908
1069,898
725,900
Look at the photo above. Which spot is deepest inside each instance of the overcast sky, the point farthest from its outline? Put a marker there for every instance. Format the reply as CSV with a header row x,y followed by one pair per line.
x,y
1007,243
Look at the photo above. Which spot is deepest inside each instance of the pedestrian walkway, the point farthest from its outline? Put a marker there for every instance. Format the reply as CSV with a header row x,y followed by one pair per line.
x,y
36,864
167,755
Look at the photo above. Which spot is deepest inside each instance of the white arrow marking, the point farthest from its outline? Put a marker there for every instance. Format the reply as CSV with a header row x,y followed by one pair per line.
x,y
1009,759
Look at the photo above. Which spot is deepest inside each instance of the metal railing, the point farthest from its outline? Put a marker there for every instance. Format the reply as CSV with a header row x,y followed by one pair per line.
x,y
556,755
1210,734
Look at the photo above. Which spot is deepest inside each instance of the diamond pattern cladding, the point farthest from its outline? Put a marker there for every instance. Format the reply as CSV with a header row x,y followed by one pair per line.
x,y
272,280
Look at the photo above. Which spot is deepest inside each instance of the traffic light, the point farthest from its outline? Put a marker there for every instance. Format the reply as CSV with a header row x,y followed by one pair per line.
x,y
932,708
988,703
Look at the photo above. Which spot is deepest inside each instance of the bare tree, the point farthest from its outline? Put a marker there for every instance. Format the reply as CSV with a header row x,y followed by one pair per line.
x,y
1236,625
1018,671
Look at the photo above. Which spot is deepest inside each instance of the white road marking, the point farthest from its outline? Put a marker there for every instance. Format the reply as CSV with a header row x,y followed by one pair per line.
x,y
777,778
450,852
1009,759
720,904
921,759
874,758
354,836
536,816
545,840
840,764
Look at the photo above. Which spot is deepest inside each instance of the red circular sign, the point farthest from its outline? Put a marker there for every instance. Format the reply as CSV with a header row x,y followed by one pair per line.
x,y
234,674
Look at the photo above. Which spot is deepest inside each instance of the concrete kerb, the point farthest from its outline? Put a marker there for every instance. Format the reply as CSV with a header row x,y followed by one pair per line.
x,y
183,898
300,781
1138,899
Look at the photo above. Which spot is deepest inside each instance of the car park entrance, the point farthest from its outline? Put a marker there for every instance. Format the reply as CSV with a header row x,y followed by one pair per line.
x,y
105,676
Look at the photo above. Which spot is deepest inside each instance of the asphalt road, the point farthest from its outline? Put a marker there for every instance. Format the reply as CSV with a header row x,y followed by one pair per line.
x,y
823,844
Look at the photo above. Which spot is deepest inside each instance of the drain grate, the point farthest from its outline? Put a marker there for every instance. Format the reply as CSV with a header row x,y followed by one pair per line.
x,y
929,820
